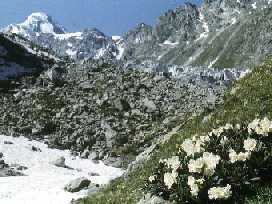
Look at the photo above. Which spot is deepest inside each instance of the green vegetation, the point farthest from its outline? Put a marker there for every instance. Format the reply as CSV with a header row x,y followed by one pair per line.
x,y
250,98
218,167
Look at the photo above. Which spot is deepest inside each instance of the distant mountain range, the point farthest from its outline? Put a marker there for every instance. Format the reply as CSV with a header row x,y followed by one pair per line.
x,y
220,33
42,30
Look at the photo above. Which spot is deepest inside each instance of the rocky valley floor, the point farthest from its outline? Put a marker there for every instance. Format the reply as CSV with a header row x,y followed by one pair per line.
x,y
106,113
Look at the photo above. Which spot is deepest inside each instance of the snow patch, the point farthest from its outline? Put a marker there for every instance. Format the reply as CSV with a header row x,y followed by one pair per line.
x,y
69,44
213,62
168,42
47,28
100,53
66,36
71,52
233,21
204,23
44,182
116,38
254,5
121,51
205,26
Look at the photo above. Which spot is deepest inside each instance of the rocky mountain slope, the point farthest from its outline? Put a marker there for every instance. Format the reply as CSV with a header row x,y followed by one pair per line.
x,y
248,99
19,57
105,112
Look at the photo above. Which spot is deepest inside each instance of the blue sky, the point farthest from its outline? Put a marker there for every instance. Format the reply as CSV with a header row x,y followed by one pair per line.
x,y
114,17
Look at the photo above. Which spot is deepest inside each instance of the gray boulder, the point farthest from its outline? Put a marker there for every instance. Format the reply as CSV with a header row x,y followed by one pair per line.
x,y
60,162
77,185
92,189
8,142
6,170
149,105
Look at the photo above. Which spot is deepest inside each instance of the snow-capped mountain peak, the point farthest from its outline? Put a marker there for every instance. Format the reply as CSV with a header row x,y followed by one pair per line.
x,y
40,29
35,24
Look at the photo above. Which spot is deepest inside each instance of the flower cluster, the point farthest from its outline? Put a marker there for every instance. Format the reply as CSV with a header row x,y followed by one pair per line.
x,y
261,127
217,193
242,156
194,185
170,179
208,168
205,164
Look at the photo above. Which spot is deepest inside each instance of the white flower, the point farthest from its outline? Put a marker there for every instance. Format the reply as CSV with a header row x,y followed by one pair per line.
x,y
253,125
250,144
233,156
194,185
151,179
173,162
261,127
266,126
207,163
217,132
170,179
228,126
204,139
196,166
211,161
238,126
242,156
220,193
191,147
224,140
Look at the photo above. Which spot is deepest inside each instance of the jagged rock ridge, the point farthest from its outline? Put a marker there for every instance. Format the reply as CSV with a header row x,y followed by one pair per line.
x,y
221,33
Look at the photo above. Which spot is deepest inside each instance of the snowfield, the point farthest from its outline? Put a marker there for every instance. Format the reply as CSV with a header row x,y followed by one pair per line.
x,y
44,182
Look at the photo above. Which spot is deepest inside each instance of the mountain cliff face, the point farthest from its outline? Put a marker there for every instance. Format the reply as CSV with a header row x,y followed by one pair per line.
x,y
220,33
19,57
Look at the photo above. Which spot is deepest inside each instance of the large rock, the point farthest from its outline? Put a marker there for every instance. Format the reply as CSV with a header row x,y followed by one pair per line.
x,y
149,105
60,162
6,170
92,189
77,185
55,75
